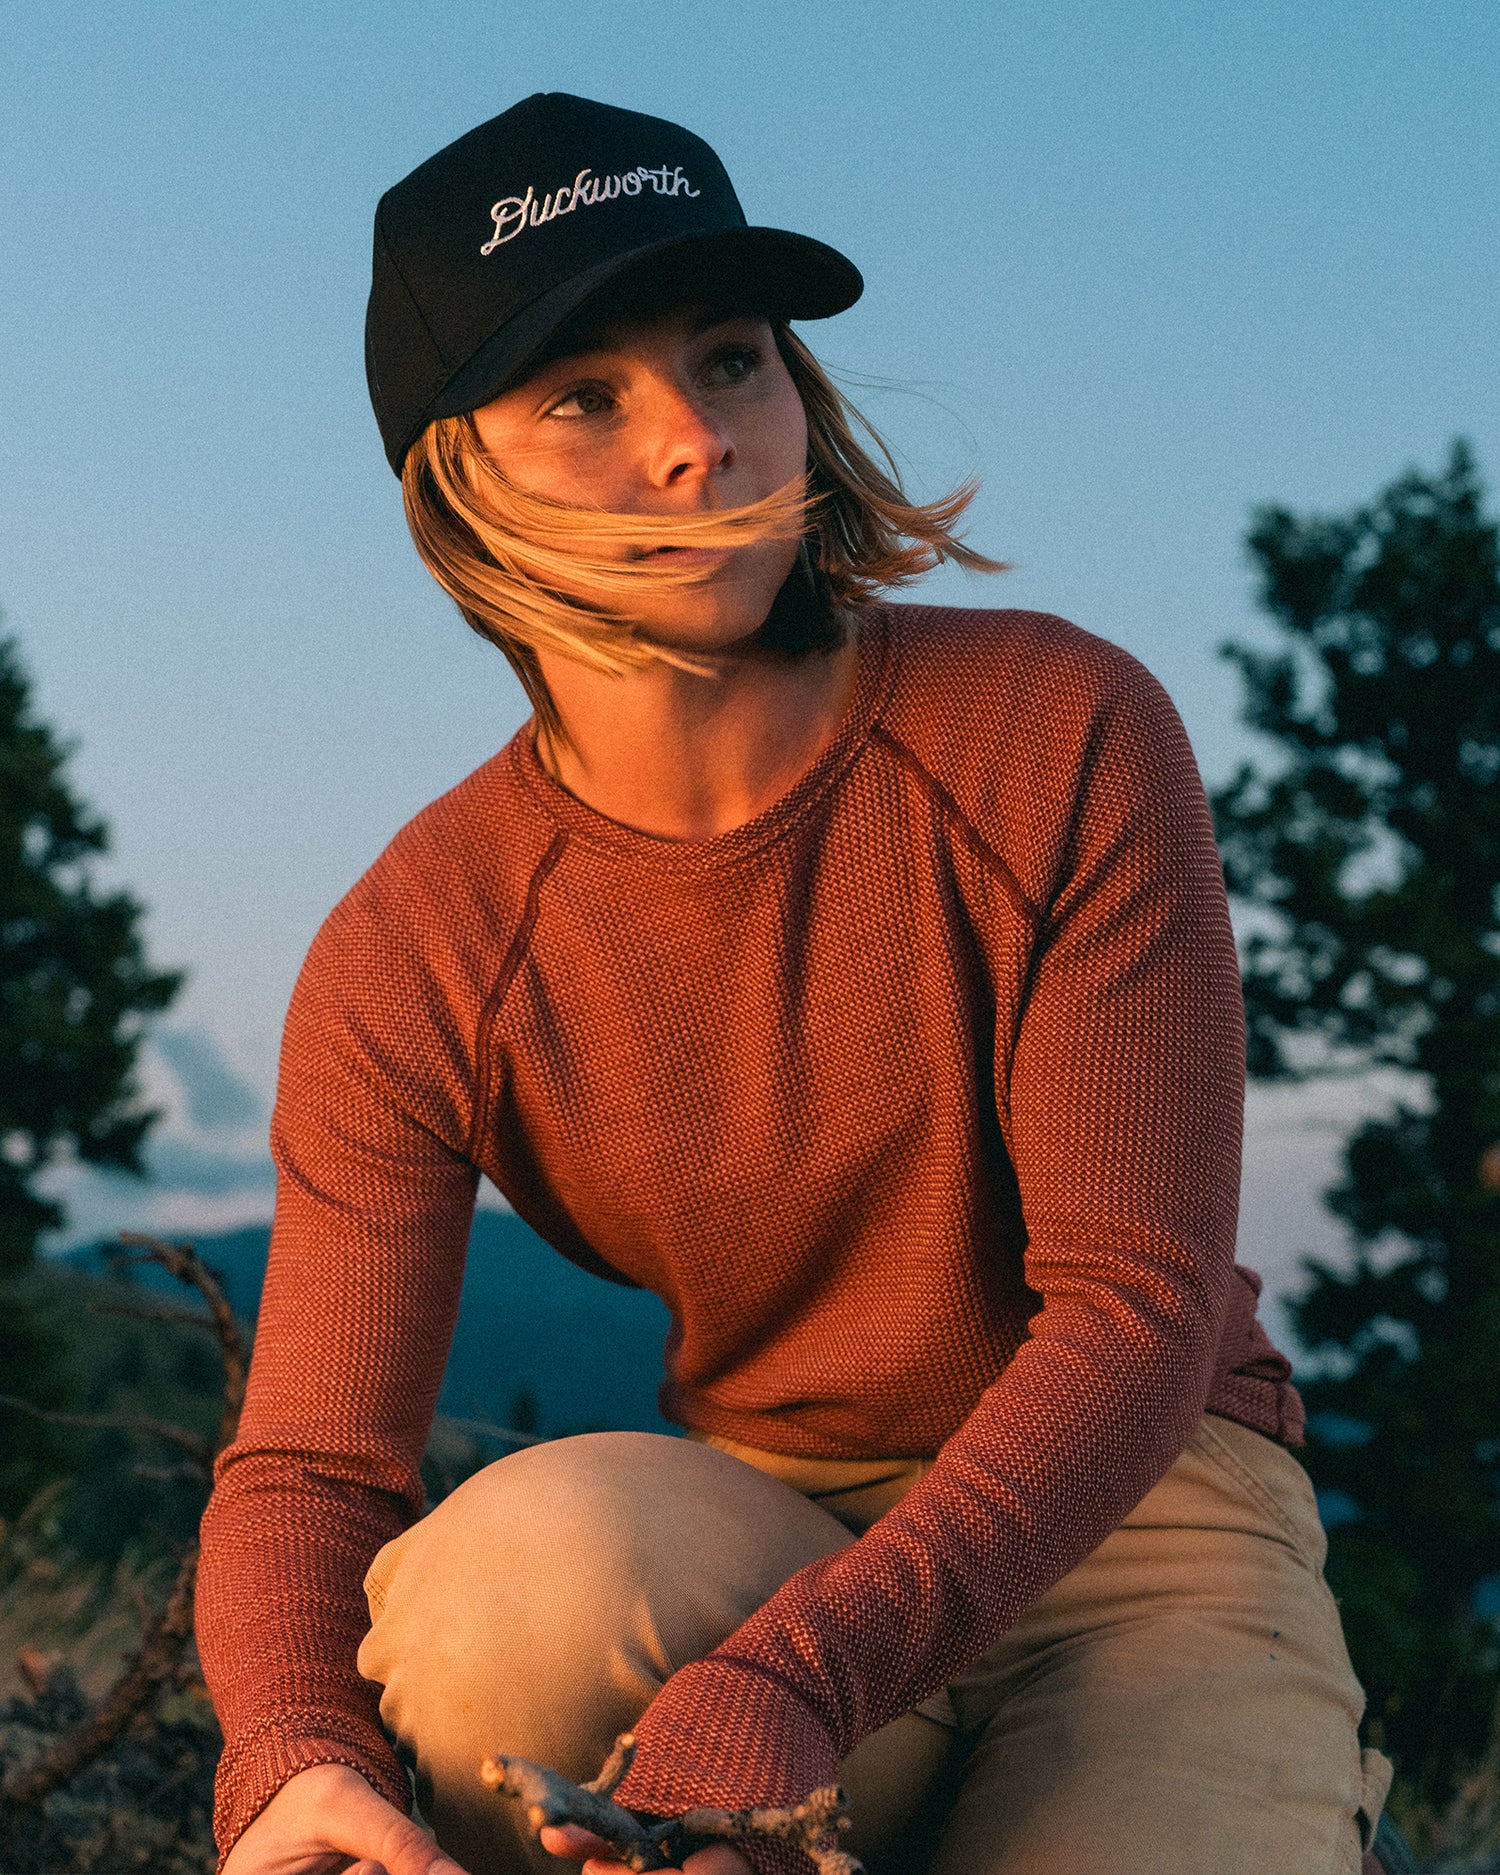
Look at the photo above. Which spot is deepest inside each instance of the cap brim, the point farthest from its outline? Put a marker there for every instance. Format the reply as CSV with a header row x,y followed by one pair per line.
x,y
766,270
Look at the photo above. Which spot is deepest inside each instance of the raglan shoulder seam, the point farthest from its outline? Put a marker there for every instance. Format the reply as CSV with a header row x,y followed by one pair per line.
x,y
515,955
913,765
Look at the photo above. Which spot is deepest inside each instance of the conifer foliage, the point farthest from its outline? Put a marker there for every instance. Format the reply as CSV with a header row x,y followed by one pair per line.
x,y
75,988
1368,859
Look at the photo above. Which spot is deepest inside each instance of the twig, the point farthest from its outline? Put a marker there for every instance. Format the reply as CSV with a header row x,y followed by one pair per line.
x,y
810,1826
183,1262
144,1674
197,1449
170,1474
158,1661
552,1799
616,1767
141,1312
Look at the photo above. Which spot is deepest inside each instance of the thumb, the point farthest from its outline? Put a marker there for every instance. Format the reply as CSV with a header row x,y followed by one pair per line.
x,y
406,1849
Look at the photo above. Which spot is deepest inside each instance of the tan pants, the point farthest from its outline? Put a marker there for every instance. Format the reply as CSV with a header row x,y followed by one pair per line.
x,y
1181,1704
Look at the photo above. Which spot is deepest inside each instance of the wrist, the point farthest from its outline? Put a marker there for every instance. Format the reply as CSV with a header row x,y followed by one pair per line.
x,y
722,1733
257,1765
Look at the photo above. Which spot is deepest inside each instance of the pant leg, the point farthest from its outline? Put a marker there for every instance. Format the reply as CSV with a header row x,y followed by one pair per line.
x,y
1182,1702
540,1607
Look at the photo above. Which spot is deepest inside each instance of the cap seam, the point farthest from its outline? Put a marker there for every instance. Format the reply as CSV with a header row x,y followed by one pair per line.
x,y
416,304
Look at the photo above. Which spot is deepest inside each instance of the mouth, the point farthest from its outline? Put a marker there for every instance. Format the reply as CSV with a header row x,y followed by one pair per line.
x,y
683,556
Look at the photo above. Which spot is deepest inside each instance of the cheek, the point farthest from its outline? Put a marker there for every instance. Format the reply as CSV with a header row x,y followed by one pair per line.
x,y
785,440
578,476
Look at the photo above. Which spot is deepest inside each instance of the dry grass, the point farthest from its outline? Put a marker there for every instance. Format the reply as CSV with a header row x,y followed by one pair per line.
x,y
89,1614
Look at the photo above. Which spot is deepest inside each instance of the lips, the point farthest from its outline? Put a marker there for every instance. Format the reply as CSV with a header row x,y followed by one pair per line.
x,y
685,556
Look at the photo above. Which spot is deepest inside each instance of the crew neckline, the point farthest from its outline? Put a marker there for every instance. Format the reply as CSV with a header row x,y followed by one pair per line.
x,y
582,822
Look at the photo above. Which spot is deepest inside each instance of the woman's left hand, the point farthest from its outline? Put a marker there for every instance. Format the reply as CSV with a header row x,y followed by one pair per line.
x,y
567,1839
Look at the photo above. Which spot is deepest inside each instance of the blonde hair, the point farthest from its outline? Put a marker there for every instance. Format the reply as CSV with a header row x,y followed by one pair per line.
x,y
528,573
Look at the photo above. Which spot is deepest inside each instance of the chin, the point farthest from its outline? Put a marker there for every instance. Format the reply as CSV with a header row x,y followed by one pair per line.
x,y
731,623
780,615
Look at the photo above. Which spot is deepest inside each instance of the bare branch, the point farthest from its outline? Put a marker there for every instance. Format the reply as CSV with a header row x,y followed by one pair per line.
x,y
189,1442
550,1798
139,1312
158,1662
169,1474
811,1826
616,1766
145,1674
183,1262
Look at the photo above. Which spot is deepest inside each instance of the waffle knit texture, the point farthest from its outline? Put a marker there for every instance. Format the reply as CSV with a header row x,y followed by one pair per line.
x,y
918,1100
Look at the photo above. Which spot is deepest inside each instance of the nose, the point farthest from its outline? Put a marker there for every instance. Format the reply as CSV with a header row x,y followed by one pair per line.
x,y
685,441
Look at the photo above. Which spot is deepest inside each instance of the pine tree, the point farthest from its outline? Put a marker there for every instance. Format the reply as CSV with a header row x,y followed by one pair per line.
x,y
1368,862
75,988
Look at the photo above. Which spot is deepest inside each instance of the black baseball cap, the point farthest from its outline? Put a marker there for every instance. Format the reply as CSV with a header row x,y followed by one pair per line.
x,y
484,251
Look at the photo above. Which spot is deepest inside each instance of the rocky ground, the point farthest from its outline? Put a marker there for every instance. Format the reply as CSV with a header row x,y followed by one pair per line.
x,y
145,1803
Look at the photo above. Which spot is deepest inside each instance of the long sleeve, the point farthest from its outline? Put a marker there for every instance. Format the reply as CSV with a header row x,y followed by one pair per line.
x,y
1121,1113
374,1201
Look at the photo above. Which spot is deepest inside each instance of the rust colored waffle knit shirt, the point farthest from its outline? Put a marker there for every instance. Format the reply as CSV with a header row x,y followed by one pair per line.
x,y
918,1100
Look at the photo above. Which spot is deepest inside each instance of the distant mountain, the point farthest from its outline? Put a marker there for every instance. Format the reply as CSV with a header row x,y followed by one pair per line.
x,y
587,1351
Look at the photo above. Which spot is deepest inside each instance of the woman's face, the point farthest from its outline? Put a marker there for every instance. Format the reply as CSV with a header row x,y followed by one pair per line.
x,y
681,412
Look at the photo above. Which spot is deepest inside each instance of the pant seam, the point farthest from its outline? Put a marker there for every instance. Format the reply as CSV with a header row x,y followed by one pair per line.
x,y
1220,1453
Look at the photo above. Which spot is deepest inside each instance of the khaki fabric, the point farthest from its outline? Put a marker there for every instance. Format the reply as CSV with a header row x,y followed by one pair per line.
x,y
1180,1703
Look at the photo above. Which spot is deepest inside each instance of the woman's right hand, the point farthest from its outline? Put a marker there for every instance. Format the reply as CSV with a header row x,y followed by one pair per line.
x,y
328,1821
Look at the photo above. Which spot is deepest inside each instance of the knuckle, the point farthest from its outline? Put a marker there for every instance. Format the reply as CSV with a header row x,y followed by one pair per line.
x,y
407,1849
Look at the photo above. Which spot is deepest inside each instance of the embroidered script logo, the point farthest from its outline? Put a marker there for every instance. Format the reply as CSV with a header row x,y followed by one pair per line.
x,y
514,212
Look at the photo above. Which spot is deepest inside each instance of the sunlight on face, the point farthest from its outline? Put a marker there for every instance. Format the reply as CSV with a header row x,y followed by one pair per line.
x,y
683,412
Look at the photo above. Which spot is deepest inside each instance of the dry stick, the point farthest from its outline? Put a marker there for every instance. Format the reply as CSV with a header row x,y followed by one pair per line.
x,y
183,1262
149,1312
155,1663
158,1660
552,1799
197,1449
616,1767
809,1826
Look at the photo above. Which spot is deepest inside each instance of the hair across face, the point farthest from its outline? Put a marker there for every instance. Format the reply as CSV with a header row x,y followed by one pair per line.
x,y
556,566
685,412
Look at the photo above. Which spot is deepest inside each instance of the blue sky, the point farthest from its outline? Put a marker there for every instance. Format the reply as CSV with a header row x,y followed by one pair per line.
x,y
1142,265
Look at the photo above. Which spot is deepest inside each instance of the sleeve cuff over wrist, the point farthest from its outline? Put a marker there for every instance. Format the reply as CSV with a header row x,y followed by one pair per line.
x,y
254,1767
728,1733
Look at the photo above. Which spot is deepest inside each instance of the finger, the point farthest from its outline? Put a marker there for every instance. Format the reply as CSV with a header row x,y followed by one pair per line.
x,y
572,1841
407,1849
719,1858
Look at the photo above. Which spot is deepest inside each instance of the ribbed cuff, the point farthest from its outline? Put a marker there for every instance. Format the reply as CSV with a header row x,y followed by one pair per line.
x,y
254,1767
727,1733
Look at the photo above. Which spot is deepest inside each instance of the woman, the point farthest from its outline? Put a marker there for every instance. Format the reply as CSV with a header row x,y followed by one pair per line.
x,y
857,977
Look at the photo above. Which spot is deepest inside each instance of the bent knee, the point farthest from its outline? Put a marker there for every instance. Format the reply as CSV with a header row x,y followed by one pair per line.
x,y
577,1542
541,1607
612,1506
